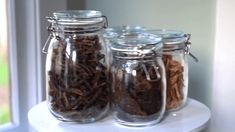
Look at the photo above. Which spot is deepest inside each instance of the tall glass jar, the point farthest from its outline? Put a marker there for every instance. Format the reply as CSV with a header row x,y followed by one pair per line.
x,y
76,73
175,51
138,79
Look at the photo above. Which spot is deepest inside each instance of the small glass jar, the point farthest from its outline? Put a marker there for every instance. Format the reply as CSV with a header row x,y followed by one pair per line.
x,y
175,51
76,72
138,79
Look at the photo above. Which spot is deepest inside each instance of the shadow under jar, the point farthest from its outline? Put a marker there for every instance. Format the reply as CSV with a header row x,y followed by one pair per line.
x,y
175,50
138,79
76,73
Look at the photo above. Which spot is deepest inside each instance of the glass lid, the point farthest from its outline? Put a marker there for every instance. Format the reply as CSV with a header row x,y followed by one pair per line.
x,y
114,32
170,36
142,43
77,14
172,39
77,17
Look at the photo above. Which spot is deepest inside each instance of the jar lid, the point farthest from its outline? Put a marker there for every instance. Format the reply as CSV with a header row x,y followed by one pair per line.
x,y
114,32
79,18
132,40
172,39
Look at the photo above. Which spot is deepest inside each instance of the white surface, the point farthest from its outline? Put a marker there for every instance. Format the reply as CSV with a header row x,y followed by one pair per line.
x,y
193,117
223,106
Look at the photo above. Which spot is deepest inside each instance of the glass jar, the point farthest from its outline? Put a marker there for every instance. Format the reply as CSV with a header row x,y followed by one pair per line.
x,y
138,79
76,72
175,51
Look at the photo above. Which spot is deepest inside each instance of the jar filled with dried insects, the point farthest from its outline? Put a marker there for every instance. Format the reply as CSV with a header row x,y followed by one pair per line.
x,y
138,79
175,51
76,73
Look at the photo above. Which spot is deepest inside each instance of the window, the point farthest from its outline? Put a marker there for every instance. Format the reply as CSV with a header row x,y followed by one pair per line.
x,y
22,94
25,35
5,115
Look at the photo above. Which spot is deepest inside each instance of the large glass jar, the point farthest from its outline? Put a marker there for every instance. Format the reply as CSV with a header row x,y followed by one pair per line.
x,y
175,51
138,79
76,73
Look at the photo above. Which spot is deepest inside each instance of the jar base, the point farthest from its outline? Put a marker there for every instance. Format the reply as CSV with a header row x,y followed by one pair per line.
x,y
128,120
81,120
184,102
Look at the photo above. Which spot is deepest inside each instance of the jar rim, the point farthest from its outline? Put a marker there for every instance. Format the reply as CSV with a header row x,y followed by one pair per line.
x,y
77,14
129,38
172,39
78,18
143,43
113,32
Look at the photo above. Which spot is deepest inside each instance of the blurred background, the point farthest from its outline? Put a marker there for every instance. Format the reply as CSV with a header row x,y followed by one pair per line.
x,y
4,71
211,23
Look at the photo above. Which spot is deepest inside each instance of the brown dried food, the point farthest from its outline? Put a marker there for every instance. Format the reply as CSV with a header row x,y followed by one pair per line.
x,y
136,95
78,88
175,82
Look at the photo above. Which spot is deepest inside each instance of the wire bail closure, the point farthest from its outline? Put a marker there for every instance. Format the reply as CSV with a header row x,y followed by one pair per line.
x,y
156,69
46,45
106,24
187,47
51,33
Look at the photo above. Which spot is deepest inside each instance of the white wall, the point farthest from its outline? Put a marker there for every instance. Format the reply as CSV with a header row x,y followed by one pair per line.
x,y
192,16
223,106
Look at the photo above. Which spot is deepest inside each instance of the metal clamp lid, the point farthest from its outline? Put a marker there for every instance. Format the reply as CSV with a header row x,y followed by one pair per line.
x,y
156,69
174,40
187,47
79,18
51,33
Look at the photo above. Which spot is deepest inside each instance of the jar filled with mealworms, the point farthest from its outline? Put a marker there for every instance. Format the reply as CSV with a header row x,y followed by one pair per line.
x,y
137,78
76,73
175,51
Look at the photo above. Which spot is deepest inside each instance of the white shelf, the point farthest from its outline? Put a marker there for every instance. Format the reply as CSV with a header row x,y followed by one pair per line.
x,y
193,117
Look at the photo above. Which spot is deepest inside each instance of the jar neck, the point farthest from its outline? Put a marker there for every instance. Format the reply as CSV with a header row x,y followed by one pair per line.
x,y
68,29
125,56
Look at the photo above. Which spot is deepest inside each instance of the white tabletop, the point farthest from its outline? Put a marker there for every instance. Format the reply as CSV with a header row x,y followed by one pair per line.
x,y
193,117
